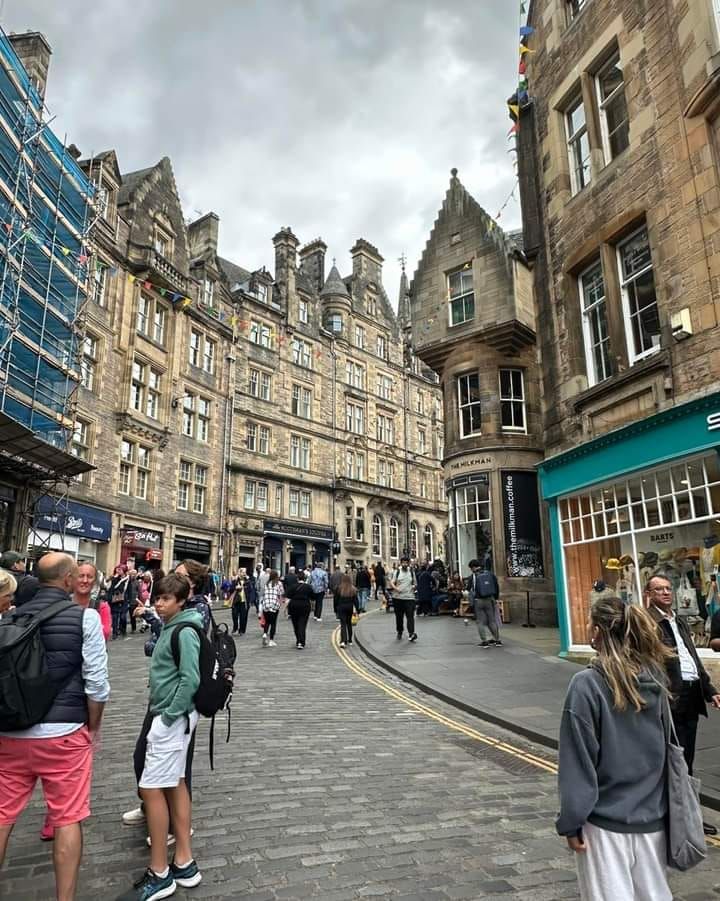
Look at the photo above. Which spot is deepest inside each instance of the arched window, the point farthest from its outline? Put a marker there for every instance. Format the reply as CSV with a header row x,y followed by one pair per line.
x,y
413,540
377,536
429,542
394,538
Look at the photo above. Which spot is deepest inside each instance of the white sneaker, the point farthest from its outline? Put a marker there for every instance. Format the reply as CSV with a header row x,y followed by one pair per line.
x,y
318,619
342,644
265,641
134,817
272,644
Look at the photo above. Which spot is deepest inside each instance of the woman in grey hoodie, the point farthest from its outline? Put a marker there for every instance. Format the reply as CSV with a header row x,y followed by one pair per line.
x,y
611,777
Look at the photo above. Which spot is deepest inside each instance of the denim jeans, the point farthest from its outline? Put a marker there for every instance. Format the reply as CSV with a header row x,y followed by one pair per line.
x,y
363,598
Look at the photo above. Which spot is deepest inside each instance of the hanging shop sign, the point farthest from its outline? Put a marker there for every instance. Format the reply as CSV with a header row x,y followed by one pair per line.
x,y
521,516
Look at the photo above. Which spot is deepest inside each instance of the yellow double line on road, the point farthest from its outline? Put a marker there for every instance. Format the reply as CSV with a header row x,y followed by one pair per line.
x,y
540,762
360,670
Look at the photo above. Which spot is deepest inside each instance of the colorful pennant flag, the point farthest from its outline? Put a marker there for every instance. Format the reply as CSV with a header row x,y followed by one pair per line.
x,y
526,31
524,50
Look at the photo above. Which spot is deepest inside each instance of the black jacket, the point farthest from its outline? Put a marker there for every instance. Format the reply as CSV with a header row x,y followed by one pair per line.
x,y
289,584
62,637
27,586
425,585
707,690
341,600
299,600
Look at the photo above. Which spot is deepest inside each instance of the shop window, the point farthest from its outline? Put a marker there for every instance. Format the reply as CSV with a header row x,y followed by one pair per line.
x,y
595,327
470,521
461,295
613,108
578,145
642,320
512,400
659,522
469,406
413,540
394,536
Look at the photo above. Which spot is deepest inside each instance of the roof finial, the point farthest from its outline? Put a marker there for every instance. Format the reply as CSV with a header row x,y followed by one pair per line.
x,y
402,259
453,172
333,261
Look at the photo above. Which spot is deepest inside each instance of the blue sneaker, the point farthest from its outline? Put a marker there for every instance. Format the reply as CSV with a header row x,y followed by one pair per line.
x,y
188,876
150,887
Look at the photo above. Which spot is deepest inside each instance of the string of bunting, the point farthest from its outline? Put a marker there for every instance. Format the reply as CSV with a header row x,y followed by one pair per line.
x,y
27,233
521,95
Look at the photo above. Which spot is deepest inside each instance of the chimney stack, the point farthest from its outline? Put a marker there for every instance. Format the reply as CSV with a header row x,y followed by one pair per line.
x,y
286,245
367,262
203,236
34,52
312,262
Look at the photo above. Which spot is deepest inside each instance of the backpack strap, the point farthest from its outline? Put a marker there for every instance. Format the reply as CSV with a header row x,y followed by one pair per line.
x,y
175,639
37,619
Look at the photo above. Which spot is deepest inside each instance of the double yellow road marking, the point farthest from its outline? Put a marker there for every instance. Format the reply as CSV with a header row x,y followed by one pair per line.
x,y
541,763
359,670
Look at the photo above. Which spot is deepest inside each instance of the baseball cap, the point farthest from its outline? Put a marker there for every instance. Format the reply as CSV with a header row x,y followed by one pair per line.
x,y
9,558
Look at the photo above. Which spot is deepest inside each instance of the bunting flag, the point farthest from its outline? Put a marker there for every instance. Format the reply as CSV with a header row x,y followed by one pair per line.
x,y
524,50
514,110
526,31
514,130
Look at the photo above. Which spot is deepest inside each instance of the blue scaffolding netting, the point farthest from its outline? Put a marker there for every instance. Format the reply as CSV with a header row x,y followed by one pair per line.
x,y
45,215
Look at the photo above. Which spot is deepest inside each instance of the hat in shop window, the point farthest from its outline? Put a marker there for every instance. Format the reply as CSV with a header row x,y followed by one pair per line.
x,y
648,559
626,560
665,556
612,563
710,540
680,554
693,553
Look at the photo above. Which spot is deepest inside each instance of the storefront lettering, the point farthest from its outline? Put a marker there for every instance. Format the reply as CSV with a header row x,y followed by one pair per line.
x,y
713,422
473,461
142,537
662,537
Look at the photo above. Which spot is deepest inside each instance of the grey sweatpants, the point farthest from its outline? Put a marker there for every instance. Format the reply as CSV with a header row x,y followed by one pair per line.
x,y
486,618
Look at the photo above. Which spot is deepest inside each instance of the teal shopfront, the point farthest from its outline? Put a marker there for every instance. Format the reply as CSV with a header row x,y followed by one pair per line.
x,y
641,500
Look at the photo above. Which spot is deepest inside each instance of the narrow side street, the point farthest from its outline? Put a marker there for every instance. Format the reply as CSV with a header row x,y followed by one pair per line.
x,y
330,788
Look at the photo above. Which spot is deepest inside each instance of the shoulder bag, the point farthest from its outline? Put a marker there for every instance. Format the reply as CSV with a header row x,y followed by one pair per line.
x,y
685,837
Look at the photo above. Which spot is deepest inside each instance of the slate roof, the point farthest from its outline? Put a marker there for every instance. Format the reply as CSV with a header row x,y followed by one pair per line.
x,y
334,284
235,274
130,183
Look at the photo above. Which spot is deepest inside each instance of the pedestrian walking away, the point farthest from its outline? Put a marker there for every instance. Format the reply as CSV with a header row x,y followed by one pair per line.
x,y
690,685
58,747
424,590
484,594
169,729
319,585
270,606
299,607
364,585
345,603
403,585
612,759
118,592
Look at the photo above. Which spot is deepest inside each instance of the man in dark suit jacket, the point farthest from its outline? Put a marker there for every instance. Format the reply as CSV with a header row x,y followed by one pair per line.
x,y
689,682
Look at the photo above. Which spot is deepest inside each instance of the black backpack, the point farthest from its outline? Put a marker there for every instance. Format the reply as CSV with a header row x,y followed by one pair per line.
x,y
217,671
27,692
485,584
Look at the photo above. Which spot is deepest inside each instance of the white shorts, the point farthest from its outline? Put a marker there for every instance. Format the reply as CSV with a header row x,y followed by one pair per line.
x,y
166,754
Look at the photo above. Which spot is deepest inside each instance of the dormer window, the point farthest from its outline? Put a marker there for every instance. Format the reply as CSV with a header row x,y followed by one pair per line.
x,y
303,312
208,289
371,305
105,200
162,242
261,292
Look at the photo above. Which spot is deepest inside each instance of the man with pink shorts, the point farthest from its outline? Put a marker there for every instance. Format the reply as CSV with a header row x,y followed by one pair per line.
x,y
59,750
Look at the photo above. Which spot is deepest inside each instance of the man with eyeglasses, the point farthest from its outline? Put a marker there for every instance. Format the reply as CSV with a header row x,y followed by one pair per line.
x,y
689,684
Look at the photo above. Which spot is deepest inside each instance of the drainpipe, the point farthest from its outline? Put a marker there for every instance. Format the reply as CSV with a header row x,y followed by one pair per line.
x,y
227,447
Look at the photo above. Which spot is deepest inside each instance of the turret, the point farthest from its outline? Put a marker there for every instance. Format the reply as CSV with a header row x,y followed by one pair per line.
x,y
336,302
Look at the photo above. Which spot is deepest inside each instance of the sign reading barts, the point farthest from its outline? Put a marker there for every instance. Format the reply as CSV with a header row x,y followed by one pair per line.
x,y
521,516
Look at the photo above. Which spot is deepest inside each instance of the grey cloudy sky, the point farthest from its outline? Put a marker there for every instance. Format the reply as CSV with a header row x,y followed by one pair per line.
x,y
340,118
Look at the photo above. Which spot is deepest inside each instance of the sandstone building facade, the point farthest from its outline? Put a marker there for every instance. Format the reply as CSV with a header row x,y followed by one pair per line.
x,y
473,322
618,157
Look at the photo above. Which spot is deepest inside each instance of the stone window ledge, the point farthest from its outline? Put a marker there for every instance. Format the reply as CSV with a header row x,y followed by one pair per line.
x,y
622,380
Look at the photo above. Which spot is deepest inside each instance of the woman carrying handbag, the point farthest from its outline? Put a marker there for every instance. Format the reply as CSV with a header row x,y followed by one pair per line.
x,y
612,775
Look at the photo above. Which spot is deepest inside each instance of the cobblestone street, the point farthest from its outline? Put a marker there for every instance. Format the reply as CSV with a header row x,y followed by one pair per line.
x,y
329,789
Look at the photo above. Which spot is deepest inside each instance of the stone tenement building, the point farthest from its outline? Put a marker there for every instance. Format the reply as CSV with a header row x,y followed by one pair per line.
x,y
618,156
474,323
336,432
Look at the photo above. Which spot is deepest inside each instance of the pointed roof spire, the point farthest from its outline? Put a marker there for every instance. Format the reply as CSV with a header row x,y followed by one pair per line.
x,y
404,296
334,284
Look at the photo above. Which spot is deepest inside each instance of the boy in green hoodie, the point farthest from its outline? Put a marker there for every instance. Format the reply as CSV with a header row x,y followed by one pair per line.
x,y
162,784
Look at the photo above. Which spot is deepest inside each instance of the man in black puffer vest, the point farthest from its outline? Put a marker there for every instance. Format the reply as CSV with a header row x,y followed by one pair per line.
x,y
59,749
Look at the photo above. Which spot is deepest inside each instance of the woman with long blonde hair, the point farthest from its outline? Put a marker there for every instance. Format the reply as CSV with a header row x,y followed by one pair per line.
x,y
611,776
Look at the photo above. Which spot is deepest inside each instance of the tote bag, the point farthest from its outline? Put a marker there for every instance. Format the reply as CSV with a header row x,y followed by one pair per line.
x,y
685,837
687,604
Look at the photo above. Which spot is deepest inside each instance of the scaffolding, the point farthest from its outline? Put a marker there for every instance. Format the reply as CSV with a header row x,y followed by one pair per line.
x,y
46,219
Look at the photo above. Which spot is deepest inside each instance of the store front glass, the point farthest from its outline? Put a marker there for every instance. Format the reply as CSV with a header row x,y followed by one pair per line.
x,y
662,521
470,532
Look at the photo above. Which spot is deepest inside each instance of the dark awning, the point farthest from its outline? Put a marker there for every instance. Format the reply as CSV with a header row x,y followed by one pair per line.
x,y
25,456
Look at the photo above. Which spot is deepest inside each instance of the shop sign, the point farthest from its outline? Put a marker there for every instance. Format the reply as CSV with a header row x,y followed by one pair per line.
x,y
521,516
713,422
301,529
468,463
53,515
663,538
141,538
